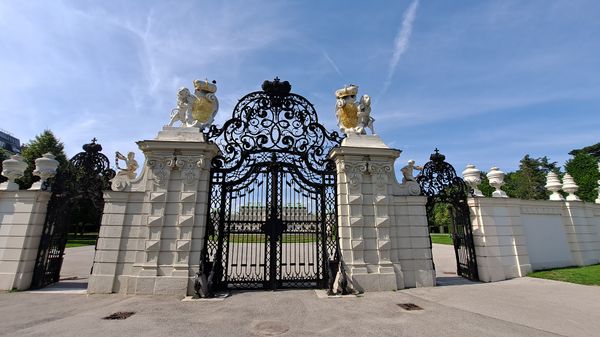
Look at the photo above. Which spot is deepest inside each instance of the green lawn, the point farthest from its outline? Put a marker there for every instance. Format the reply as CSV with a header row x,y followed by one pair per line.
x,y
588,275
87,239
443,239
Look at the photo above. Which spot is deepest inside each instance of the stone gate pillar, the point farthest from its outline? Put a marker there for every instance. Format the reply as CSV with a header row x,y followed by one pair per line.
x,y
384,238
153,227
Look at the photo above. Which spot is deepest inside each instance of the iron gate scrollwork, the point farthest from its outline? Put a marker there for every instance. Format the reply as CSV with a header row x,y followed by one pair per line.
x,y
272,219
80,183
440,183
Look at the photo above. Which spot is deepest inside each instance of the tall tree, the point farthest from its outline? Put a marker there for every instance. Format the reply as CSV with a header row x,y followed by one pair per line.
x,y
584,169
593,150
41,144
529,180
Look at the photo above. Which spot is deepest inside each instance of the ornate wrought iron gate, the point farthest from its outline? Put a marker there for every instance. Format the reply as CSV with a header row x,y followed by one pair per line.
x,y
86,176
272,219
440,184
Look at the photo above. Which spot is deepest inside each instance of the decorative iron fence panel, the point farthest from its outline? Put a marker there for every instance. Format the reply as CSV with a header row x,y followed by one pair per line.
x,y
273,216
85,177
440,183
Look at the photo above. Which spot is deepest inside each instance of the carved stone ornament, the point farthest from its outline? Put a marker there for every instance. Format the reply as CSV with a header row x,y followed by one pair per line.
x,y
197,109
353,117
354,172
472,176
160,167
496,180
380,172
554,185
45,168
570,187
189,167
12,168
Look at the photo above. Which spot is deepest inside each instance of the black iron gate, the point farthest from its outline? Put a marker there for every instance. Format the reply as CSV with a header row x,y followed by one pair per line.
x,y
441,185
272,219
80,184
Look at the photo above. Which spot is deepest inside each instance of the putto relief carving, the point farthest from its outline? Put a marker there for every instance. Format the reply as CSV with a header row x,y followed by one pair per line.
x,y
197,109
127,173
353,117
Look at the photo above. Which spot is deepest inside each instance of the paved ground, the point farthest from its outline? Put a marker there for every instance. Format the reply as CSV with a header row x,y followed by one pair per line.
x,y
520,307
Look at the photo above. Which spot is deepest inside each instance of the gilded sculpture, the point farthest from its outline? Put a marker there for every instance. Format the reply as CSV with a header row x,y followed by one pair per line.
x,y
353,117
197,109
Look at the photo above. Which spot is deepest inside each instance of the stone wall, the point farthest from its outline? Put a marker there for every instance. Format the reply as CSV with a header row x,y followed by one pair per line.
x,y
383,226
153,227
22,215
513,236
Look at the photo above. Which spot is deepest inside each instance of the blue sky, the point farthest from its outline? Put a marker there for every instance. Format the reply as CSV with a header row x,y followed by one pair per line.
x,y
485,81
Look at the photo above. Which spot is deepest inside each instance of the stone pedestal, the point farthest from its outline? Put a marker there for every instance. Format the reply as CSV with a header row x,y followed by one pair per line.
x,y
22,215
383,228
153,227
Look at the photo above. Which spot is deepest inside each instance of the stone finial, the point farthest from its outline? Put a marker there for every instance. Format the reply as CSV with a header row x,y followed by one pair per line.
x,y
570,187
496,179
45,168
472,177
554,185
12,168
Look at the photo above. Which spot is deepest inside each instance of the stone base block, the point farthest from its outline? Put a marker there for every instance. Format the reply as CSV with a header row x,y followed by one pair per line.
x,y
190,134
425,278
100,284
374,281
160,285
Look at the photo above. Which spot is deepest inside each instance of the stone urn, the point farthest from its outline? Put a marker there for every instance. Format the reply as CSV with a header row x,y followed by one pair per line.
x,y
570,187
496,179
472,177
554,185
13,169
45,168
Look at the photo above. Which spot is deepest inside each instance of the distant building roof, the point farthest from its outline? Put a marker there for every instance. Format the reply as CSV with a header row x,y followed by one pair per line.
x,y
9,142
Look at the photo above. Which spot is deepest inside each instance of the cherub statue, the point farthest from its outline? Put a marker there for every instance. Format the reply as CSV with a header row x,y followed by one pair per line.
x,y
131,165
407,171
364,115
353,117
198,109
182,113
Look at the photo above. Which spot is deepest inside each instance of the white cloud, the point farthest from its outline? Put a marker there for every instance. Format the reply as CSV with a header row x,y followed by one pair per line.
x,y
401,42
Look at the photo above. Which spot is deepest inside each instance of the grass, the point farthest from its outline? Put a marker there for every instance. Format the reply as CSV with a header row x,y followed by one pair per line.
x,y
588,275
443,239
87,239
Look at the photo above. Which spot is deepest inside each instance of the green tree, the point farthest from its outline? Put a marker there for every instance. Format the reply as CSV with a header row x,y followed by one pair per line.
x,y
584,169
41,144
529,180
485,187
593,150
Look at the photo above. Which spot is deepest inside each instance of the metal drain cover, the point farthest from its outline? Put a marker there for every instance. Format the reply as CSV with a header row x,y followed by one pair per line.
x,y
409,306
120,315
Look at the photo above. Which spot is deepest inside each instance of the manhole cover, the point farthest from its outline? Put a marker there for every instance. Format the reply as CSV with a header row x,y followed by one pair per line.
x,y
270,328
120,315
409,306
